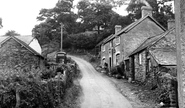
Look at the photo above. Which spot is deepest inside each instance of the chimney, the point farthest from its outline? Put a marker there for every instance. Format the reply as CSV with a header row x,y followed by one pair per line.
x,y
171,23
117,28
145,10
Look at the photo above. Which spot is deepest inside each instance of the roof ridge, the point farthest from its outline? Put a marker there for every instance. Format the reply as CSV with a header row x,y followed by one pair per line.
x,y
22,43
140,47
133,24
27,46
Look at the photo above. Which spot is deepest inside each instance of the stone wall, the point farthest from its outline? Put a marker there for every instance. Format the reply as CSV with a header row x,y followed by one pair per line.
x,y
140,66
133,38
106,54
15,56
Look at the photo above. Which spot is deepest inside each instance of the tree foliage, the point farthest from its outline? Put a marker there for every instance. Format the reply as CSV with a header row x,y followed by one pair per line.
x,y
85,40
92,15
35,88
161,11
11,33
49,29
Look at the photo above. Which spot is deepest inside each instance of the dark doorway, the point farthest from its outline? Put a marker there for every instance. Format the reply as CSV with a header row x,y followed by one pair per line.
x,y
110,63
127,68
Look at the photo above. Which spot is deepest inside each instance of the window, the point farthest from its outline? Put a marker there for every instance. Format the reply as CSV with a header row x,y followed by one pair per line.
x,y
140,58
103,61
117,40
127,65
117,58
149,65
110,44
103,47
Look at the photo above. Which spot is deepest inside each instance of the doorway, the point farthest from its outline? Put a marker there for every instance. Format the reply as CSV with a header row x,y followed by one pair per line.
x,y
110,63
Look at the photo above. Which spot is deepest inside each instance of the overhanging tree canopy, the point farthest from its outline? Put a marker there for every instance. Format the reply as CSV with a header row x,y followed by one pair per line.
x,y
161,11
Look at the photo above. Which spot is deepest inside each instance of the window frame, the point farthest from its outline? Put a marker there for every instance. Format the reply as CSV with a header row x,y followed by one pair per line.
x,y
117,59
103,48
140,58
111,45
117,40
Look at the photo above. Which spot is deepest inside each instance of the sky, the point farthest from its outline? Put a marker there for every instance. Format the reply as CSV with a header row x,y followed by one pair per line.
x,y
20,15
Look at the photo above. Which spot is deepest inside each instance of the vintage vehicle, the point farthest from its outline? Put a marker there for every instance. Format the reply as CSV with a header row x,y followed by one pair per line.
x,y
61,57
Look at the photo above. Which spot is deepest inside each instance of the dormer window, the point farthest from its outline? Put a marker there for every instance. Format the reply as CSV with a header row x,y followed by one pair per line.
x,y
117,40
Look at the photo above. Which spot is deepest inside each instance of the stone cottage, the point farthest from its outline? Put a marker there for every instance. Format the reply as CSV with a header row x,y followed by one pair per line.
x,y
20,52
155,52
117,47
155,59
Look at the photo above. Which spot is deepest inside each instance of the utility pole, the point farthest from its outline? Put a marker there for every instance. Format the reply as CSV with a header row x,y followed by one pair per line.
x,y
61,42
180,41
61,55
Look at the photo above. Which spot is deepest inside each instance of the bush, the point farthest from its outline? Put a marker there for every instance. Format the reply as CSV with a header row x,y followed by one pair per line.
x,y
32,93
92,59
114,71
35,91
83,40
47,74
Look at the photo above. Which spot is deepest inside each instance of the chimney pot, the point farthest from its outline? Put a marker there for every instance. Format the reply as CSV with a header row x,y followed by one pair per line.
x,y
145,10
117,28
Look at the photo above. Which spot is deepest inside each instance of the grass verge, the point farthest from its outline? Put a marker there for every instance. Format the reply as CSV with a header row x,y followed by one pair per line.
x,y
72,97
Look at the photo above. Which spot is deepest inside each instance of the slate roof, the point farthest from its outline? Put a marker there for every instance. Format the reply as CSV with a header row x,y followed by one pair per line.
x,y
164,57
132,25
150,41
26,38
22,40
105,40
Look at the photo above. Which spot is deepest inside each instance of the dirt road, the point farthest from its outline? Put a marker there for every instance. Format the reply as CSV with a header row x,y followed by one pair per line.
x,y
98,91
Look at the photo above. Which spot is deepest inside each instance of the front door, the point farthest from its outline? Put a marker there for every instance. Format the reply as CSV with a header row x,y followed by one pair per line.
x,y
110,63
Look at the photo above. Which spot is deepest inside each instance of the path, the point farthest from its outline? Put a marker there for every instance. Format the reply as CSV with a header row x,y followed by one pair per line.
x,y
98,91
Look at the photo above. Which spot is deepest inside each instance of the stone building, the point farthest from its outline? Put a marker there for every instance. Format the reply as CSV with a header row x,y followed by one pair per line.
x,y
20,52
155,59
154,52
117,47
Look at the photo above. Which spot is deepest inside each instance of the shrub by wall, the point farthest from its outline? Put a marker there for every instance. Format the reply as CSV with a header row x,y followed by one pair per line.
x,y
27,90
163,83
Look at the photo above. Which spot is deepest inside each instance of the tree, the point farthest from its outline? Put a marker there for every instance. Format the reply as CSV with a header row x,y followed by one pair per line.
x,y
86,40
98,15
62,12
161,11
49,30
94,14
11,33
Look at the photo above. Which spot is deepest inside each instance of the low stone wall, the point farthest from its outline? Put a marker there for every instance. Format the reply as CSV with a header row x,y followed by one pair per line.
x,y
164,79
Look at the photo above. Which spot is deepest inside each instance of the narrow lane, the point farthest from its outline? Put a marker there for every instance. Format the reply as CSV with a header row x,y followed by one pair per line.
x,y
98,90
